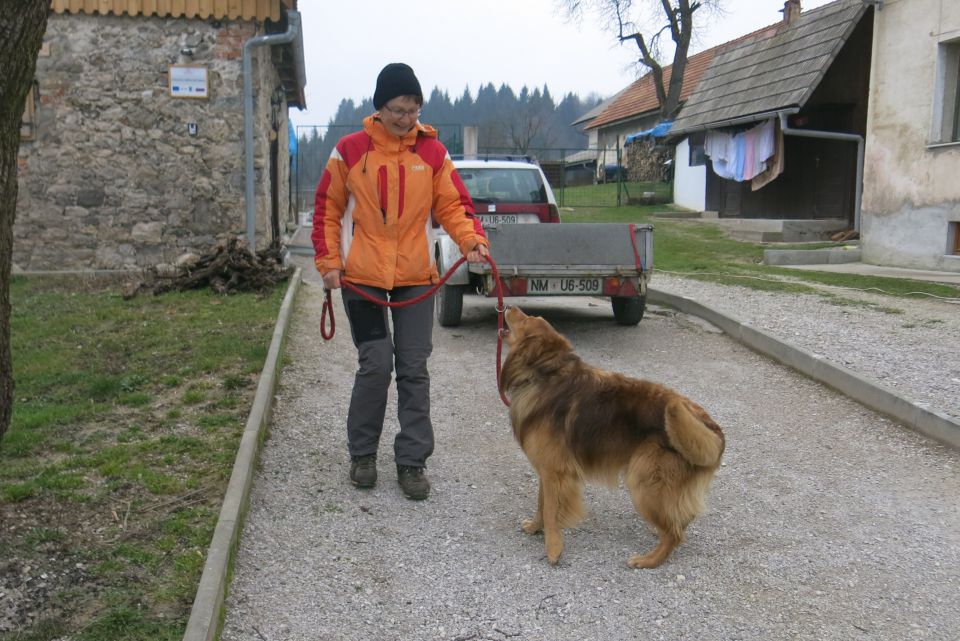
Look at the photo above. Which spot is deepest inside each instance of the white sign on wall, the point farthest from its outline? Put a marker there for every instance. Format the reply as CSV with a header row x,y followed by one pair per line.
x,y
188,82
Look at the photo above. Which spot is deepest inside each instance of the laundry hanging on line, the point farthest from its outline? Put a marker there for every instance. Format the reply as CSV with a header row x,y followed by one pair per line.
x,y
743,155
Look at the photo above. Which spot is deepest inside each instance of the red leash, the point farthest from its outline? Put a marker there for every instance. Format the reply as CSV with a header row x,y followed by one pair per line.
x,y
328,308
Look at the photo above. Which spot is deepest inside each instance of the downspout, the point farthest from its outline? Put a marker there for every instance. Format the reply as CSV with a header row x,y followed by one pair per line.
x,y
832,135
292,34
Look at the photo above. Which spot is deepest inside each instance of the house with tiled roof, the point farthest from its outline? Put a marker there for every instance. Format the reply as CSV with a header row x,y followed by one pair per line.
x,y
156,129
635,108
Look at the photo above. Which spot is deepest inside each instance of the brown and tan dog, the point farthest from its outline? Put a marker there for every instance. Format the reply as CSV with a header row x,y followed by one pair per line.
x,y
576,423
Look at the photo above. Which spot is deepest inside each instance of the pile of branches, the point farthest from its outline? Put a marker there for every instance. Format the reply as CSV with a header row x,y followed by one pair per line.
x,y
228,269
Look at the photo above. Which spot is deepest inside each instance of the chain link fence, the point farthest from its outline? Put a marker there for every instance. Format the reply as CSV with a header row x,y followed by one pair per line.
x,y
599,177
578,177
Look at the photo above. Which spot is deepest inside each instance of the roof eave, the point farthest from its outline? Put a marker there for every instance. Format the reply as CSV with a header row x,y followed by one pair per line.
x,y
625,119
733,122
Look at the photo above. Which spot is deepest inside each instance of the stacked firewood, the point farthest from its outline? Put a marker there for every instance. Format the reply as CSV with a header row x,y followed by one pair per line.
x,y
229,268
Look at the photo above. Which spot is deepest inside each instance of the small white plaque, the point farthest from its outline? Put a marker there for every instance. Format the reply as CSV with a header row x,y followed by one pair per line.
x,y
188,82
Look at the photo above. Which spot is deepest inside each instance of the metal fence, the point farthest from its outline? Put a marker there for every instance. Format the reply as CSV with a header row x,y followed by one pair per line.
x,y
578,177
595,177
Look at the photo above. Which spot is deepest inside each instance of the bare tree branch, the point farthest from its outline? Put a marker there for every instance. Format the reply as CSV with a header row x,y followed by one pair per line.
x,y
678,22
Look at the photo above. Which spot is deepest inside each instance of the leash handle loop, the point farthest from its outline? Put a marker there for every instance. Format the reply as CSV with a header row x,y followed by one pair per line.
x,y
501,309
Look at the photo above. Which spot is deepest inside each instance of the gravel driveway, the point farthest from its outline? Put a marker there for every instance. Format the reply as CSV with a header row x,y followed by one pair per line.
x,y
827,521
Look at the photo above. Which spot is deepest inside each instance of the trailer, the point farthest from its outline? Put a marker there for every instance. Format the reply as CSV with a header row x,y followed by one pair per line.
x,y
610,260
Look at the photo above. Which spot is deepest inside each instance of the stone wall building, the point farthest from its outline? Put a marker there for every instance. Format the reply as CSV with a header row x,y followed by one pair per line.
x,y
132,149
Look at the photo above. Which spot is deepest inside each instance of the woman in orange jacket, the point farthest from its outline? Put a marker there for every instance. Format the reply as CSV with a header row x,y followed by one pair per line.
x,y
377,201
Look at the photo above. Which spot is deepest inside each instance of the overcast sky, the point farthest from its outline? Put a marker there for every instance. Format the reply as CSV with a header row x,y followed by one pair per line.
x,y
454,44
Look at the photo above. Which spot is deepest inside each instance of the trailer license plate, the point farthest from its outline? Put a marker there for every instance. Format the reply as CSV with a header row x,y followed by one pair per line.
x,y
564,286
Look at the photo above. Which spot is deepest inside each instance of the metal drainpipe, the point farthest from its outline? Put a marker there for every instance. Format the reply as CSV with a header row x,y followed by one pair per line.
x,y
832,135
290,35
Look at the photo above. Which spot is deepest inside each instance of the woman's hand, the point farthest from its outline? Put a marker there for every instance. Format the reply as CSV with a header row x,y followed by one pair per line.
x,y
331,280
476,255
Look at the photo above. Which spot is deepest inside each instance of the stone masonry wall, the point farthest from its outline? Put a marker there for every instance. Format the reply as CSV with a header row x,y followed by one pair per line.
x,y
114,178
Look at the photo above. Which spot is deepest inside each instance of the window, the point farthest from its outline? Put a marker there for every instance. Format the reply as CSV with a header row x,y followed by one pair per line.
x,y
946,117
696,142
956,104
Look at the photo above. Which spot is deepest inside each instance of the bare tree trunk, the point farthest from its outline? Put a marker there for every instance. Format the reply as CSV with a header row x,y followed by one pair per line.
x,y
678,15
22,24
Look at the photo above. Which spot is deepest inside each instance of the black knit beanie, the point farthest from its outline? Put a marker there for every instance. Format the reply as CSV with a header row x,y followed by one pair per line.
x,y
396,79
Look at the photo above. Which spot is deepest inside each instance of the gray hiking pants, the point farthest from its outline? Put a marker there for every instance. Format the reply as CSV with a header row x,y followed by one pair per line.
x,y
378,352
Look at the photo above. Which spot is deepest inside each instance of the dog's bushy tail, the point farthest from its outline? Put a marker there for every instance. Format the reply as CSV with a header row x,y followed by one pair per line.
x,y
693,433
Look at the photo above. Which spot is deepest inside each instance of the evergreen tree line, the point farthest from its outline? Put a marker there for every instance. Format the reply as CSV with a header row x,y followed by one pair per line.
x,y
507,122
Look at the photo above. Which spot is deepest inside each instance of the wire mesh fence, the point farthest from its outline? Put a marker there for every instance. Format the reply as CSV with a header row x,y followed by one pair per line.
x,y
596,177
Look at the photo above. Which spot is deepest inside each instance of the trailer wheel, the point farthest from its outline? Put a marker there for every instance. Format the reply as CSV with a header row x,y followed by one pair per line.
x,y
450,305
628,310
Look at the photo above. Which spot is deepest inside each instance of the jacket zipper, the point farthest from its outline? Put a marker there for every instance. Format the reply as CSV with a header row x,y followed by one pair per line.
x,y
382,191
403,180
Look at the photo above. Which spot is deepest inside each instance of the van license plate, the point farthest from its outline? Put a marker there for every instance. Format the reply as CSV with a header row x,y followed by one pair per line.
x,y
542,286
488,220
498,219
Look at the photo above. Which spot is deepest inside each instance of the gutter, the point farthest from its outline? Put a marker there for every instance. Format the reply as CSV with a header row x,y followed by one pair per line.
x,y
293,34
832,135
733,122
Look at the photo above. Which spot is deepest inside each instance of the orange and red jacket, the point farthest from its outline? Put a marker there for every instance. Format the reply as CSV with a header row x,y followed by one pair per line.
x,y
376,204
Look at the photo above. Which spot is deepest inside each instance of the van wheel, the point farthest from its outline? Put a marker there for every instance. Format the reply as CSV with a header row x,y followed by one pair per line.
x,y
450,305
628,310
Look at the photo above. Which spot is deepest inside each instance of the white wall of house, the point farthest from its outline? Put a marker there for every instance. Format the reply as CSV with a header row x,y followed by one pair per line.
x,y
911,196
689,183
592,139
609,137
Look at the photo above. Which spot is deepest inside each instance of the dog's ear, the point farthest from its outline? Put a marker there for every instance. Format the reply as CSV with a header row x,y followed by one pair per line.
x,y
544,331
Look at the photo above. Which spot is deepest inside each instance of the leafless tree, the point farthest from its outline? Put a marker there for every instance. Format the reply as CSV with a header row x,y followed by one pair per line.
x,y
674,17
22,25
527,129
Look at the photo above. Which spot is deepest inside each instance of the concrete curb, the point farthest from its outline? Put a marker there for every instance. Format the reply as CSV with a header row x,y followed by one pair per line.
x,y
917,416
207,612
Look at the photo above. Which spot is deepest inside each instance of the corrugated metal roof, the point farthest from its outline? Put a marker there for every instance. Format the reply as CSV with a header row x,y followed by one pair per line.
x,y
775,72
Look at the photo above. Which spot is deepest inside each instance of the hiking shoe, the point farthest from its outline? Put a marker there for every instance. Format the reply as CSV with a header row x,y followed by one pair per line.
x,y
363,471
413,482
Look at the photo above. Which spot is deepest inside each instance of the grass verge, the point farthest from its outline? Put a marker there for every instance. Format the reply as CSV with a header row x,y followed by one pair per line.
x,y
125,425
702,251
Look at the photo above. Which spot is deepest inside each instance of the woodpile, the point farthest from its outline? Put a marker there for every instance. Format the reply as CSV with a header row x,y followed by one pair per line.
x,y
228,269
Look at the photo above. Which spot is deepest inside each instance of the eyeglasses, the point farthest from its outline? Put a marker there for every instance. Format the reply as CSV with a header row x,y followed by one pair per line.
x,y
400,113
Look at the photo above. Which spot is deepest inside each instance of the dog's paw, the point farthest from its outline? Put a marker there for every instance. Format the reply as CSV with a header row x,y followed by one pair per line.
x,y
644,561
553,553
531,526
